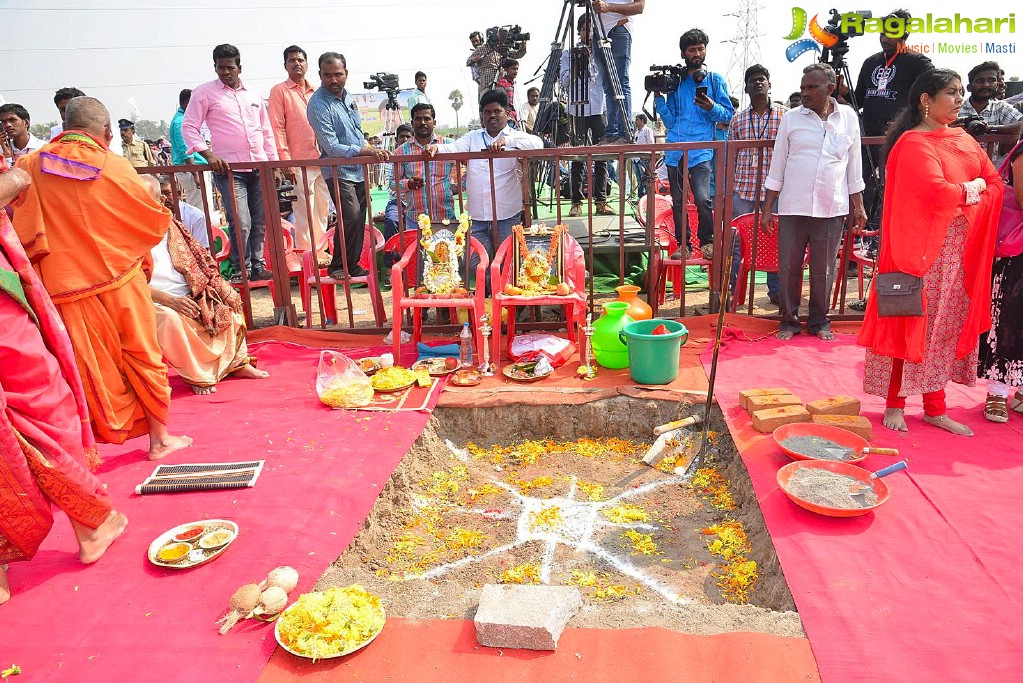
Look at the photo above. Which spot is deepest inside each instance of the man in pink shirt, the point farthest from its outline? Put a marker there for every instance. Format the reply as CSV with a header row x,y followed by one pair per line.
x,y
296,140
240,133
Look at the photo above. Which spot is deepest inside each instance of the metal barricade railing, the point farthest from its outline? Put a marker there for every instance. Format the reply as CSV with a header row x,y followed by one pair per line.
x,y
724,165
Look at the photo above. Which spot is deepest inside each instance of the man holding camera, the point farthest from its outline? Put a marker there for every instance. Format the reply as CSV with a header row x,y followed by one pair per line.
x,y
335,120
488,57
616,19
690,114
981,106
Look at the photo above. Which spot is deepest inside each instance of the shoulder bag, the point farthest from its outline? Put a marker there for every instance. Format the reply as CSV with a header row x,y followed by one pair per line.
x,y
899,294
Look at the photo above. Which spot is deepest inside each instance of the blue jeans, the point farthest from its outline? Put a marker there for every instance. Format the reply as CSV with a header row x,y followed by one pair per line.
x,y
249,197
739,207
483,232
621,53
640,167
699,182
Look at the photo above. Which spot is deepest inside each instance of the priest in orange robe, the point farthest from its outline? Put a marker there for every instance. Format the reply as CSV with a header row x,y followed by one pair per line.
x,y
87,223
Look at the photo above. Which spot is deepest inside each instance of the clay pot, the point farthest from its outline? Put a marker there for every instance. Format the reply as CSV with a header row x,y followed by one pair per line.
x,y
638,309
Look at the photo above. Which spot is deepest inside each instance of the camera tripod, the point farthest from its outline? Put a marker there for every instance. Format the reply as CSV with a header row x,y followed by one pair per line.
x,y
835,57
547,114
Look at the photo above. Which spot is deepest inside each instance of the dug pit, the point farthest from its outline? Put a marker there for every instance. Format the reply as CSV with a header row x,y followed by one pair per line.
x,y
550,495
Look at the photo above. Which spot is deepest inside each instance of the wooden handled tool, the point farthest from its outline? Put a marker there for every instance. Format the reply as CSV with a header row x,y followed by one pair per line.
x,y
689,421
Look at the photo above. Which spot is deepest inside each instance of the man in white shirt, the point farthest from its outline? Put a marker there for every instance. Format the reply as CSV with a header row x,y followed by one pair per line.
x,y
816,174
192,218
15,136
644,136
496,136
530,109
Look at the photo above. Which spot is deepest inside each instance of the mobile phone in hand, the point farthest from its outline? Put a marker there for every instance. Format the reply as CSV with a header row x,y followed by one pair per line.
x,y
701,90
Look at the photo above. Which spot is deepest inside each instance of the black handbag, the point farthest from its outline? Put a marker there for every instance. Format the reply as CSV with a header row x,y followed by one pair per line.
x,y
899,294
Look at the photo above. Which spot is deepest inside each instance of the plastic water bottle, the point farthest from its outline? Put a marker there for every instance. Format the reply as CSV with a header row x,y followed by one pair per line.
x,y
465,346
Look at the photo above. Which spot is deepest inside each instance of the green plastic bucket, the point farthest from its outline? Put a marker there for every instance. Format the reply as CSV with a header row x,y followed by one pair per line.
x,y
653,358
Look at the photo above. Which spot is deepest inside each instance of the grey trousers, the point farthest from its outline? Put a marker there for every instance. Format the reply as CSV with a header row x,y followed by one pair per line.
x,y
823,236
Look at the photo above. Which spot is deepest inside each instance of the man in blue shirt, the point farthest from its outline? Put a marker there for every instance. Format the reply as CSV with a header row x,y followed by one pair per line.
x,y
335,120
180,156
690,116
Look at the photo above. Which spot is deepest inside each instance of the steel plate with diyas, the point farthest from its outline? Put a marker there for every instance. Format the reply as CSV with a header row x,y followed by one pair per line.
x,y
437,367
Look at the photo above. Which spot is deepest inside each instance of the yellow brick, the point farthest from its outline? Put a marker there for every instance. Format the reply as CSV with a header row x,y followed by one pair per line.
x,y
746,393
856,424
766,421
755,403
836,405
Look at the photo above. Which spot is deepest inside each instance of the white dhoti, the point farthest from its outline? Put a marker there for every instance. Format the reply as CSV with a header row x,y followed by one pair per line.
x,y
200,359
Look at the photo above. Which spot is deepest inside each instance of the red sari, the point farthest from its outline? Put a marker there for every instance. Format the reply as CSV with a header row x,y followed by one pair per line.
x,y
46,446
923,194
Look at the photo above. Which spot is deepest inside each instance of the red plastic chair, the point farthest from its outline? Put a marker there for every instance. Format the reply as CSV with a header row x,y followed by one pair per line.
x,y
575,303
328,285
403,276
225,253
766,257
860,258
662,206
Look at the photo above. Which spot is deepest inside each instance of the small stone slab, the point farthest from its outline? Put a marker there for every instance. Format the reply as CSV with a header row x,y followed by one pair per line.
x,y
525,617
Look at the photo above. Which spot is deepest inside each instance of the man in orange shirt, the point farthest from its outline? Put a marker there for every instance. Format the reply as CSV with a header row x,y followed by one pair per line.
x,y
87,224
295,140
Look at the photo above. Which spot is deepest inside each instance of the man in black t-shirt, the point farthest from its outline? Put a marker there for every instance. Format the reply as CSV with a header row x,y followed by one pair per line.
x,y
882,89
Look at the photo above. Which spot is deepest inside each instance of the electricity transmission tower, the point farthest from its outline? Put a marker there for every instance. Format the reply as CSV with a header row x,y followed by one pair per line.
x,y
745,44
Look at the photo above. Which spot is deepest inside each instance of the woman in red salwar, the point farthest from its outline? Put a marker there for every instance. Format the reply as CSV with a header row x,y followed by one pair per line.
x,y
46,444
941,204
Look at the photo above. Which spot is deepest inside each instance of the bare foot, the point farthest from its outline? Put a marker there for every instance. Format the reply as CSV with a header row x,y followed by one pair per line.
x,y
92,543
249,372
5,587
895,419
203,391
948,424
825,335
784,335
166,445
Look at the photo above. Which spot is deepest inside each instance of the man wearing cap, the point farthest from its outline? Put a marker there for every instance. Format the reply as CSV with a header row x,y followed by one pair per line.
x,y
136,150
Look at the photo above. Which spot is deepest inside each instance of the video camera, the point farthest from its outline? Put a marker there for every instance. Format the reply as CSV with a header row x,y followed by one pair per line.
x,y
974,124
286,196
383,81
386,83
665,79
841,48
504,39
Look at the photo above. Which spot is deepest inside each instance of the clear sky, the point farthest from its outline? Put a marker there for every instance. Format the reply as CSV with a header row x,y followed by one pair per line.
x,y
149,50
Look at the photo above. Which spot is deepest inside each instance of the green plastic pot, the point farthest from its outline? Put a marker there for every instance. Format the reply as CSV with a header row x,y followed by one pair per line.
x,y
608,348
653,358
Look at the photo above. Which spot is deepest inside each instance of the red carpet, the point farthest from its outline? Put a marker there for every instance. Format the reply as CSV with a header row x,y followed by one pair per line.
x,y
445,651
123,619
924,588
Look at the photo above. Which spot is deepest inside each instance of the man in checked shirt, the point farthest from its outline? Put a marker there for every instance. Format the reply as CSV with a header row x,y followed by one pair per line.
x,y
759,121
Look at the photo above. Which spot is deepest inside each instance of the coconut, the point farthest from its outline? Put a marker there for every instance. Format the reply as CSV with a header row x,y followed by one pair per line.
x,y
282,577
244,600
272,601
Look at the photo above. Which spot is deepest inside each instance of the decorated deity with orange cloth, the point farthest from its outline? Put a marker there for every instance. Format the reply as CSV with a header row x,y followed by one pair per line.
x,y
87,224
46,447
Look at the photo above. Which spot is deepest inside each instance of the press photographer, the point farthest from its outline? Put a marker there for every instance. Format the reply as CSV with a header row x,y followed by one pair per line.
x,y
982,113
501,43
700,100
